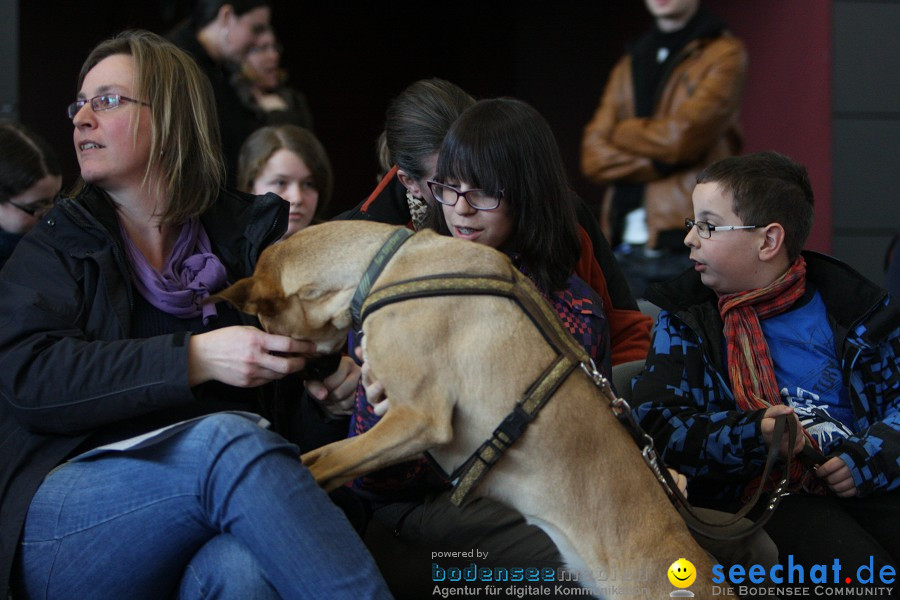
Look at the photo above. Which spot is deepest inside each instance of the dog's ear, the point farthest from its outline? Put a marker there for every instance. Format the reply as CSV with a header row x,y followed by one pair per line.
x,y
252,295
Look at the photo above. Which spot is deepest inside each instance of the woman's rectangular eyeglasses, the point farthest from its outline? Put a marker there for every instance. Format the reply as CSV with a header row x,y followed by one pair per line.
x,y
705,230
477,199
101,102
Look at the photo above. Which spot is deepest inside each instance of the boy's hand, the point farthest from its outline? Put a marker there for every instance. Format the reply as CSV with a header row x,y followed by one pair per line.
x,y
836,475
680,481
768,428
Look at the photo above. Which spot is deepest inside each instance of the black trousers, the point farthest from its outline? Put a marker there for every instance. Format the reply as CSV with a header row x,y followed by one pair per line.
x,y
815,530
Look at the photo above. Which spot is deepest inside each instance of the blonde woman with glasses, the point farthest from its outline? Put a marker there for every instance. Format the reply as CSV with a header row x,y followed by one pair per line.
x,y
134,463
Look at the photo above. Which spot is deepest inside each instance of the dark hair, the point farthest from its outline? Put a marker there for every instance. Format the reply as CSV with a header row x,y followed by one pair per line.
x,y
767,187
185,146
266,141
416,122
25,159
205,11
505,144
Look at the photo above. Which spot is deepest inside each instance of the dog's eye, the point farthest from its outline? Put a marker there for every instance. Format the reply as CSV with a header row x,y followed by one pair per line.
x,y
310,293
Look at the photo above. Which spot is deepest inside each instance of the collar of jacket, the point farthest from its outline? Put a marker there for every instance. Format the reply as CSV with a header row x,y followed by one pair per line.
x,y
831,277
240,226
236,220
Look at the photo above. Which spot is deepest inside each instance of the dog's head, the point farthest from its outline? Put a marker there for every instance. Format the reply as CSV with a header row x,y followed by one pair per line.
x,y
302,287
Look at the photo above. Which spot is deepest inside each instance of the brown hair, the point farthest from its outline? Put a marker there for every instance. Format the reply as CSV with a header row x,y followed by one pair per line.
x,y
25,159
266,141
417,121
185,146
767,187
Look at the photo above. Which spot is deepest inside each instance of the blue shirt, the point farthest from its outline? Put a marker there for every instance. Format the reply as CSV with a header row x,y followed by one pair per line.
x,y
807,370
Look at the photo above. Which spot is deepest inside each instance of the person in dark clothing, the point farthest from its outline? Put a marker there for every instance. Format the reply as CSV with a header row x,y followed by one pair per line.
x,y
218,36
29,180
134,463
262,83
670,107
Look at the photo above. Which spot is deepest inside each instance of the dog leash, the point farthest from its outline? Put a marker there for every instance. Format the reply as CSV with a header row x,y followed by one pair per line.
x,y
783,426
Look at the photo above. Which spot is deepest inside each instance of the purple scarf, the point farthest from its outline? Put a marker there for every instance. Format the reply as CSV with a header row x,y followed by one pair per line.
x,y
190,275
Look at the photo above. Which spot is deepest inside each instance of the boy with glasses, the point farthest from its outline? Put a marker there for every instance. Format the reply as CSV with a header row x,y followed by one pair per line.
x,y
759,329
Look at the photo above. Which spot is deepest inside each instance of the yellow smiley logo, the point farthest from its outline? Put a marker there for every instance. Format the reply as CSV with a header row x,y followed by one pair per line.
x,y
682,573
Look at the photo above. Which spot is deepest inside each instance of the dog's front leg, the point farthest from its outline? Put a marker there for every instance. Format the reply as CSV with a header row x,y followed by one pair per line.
x,y
404,432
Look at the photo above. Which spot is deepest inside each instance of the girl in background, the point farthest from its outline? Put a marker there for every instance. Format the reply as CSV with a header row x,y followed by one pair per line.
x,y
291,162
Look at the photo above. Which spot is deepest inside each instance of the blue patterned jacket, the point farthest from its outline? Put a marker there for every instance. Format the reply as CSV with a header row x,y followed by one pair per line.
x,y
684,400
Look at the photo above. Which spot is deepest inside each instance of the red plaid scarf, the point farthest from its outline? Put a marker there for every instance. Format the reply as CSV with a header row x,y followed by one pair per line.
x,y
749,361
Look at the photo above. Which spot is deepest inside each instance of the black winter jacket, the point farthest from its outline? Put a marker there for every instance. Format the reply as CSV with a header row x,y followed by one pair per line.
x,y
69,369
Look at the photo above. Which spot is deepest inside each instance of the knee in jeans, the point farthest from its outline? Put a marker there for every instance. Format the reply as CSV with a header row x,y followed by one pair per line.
x,y
223,429
225,568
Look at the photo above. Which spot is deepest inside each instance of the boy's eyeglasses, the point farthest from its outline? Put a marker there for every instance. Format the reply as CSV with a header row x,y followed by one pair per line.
x,y
705,230
101,102
477,199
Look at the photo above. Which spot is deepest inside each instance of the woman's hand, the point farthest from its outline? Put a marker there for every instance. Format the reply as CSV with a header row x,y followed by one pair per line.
x,y
244,356
337,392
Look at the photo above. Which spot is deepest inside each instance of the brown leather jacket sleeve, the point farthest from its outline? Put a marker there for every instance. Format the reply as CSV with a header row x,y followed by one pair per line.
x,y
703,105
602,161
698,106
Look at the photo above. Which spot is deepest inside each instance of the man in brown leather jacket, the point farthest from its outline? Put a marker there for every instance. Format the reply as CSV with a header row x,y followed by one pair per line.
x,y
670,108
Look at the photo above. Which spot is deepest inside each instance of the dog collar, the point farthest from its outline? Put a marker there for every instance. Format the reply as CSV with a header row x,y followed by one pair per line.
x,y
382,257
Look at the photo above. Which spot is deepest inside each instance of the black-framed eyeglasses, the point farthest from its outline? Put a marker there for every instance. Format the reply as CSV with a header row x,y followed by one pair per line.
x,y
101,102
477,199
705,230
35,210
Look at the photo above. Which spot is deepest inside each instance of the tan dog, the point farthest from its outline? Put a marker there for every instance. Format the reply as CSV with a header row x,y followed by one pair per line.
x,y
453,367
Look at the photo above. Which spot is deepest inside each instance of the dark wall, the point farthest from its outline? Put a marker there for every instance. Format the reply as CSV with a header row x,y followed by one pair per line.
x,y
350,60
787,101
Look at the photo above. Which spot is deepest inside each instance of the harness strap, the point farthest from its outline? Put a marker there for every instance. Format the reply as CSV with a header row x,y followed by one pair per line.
x,y
382,257
519,289
510,429
515,287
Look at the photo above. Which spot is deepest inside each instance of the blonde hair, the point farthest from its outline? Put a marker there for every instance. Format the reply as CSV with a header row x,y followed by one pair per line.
x,y
266,141
185,145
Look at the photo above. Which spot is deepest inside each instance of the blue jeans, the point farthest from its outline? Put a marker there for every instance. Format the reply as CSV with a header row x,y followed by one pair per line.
x,y
222,509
